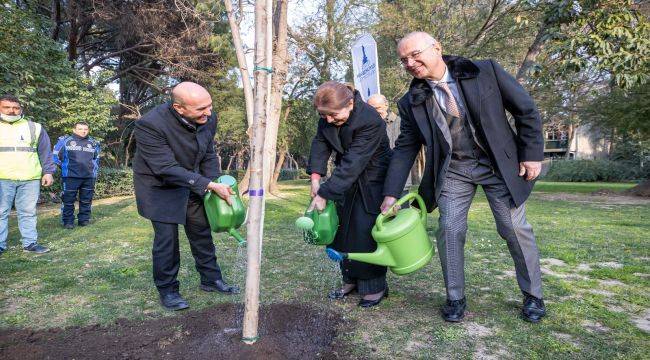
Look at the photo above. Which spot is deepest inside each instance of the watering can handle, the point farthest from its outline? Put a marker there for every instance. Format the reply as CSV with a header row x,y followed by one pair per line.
x,y
423,214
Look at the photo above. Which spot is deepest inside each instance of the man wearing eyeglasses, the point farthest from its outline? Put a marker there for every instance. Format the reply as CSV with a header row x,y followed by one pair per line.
x,y
456,108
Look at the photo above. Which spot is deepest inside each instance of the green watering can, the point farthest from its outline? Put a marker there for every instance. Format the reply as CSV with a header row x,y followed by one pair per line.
x,y
402,241
223,217
319,228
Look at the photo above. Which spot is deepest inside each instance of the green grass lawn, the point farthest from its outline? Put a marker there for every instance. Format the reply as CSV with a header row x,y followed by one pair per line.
x,y
595,261
579,188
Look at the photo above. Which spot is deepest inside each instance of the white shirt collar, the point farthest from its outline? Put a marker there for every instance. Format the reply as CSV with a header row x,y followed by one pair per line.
x,y
446,78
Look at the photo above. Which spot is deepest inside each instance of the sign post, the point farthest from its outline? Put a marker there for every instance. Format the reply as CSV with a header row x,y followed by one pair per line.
x,y
365,66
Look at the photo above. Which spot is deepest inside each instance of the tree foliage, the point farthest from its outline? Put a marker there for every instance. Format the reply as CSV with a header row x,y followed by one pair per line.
x,y
35,69
610,36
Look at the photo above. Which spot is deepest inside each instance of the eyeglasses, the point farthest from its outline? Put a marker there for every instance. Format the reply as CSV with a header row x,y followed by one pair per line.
x,y
414,55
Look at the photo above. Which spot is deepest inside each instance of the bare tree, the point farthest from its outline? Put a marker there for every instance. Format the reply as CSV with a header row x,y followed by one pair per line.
x,y
263,62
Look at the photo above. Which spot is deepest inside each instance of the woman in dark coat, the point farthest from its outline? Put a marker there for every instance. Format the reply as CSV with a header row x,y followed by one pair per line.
x,y
357,134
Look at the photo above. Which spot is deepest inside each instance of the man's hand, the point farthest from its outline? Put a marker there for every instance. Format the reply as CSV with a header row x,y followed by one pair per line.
x,y
530,168
389,201
222,190
315,185
318,203
47,180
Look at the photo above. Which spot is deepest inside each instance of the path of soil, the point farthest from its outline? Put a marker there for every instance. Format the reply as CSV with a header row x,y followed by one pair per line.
x,y
286,332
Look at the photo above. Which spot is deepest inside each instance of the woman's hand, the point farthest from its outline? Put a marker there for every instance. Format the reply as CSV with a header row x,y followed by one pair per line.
x,y
388,203
317,203
315,185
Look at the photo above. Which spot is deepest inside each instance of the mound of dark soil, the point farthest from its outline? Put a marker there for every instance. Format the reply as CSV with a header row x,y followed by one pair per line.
x,y
286,332
642,189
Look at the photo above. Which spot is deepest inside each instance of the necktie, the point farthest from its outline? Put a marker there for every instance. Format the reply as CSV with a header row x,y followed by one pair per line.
x,y
450,101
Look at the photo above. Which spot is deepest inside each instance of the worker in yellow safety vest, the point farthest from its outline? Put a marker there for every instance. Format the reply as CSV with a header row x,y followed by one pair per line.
x,y
25,164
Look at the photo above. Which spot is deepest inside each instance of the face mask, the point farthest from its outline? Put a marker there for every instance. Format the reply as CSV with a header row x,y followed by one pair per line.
x,y
10,118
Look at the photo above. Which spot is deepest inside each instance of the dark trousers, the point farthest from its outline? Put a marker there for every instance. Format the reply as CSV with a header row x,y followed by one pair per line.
x,y
85,189
166,255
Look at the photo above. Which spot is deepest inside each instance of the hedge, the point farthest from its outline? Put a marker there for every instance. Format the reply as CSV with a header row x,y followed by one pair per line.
x,y
595,170
110,182
119,182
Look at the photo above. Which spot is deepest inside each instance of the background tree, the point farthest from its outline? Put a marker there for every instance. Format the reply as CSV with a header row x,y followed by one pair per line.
x,y
36,69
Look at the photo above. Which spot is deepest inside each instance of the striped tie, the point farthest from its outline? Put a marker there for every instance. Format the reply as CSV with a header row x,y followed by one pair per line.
x,y
450,101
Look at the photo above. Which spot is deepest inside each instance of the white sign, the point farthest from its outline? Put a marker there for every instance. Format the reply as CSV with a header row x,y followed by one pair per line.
x,y
365,66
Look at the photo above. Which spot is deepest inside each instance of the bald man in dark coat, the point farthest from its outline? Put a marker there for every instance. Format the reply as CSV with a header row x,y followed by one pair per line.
x,y
174,166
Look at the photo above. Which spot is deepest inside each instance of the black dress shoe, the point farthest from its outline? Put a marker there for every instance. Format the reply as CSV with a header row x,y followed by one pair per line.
x,y
454,310
370,303
339,294
84,223
173,301
68,226
220,286
533,309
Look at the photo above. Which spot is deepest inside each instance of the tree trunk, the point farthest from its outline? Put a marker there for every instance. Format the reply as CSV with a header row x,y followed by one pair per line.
x,y
256,202
570,135
278,169
280,65
230,162
127,154
533,51
245,76
56,19
273,184
241,61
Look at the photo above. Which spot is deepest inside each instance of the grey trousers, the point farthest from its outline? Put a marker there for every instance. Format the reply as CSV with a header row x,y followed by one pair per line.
x,y
454,202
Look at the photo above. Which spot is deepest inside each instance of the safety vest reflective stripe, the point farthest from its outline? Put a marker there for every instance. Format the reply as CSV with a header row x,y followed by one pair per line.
x,y
32,133
18,148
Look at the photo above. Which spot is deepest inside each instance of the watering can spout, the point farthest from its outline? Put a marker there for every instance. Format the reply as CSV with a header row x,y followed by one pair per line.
x,y
380,257
240,239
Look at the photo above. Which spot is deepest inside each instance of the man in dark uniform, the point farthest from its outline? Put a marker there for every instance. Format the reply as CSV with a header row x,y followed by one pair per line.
x,y
456,108
174,166
78,157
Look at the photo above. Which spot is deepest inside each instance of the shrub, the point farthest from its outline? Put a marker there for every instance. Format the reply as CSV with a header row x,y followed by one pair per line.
x,y
110,182
594,170
292,174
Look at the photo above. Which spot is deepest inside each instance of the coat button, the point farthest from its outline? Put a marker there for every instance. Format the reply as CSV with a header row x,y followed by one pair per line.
x,y
191,182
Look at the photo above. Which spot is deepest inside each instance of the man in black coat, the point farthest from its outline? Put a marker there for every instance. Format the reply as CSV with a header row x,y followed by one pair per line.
x,y
456,108
173,167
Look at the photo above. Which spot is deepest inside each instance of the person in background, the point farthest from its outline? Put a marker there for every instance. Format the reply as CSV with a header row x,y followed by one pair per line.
x,y
25,164
393,121
357,134
78,157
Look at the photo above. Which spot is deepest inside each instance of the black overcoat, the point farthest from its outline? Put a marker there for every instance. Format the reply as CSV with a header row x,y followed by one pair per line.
x,y
487,91
356,184
173,158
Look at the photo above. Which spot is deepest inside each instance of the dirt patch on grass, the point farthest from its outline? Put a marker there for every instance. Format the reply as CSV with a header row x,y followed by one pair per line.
x,y
475,330
610,283
609,199
287,331
566,338
642,321
595,327
552,262
610,264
